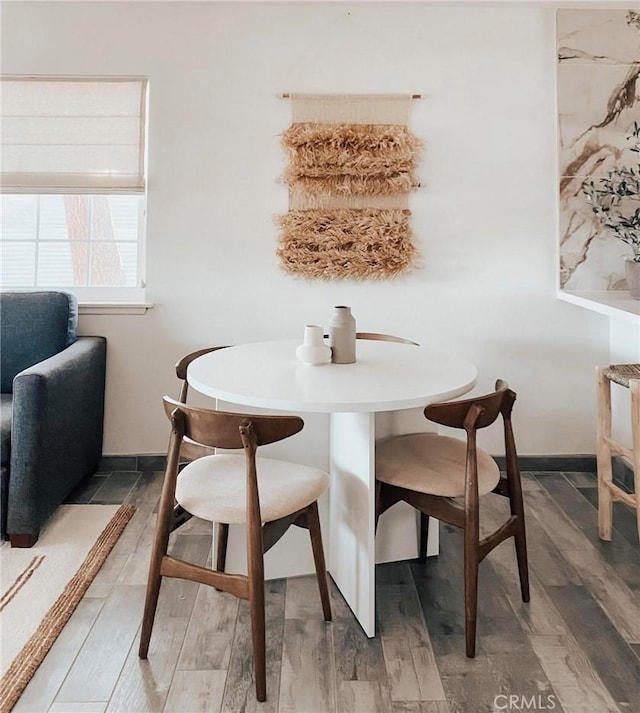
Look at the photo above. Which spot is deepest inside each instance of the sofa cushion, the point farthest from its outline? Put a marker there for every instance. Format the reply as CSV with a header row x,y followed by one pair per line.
x,y
5,428
33,327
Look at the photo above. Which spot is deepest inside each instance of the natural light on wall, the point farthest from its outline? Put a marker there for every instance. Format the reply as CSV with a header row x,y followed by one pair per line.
x,y
72,185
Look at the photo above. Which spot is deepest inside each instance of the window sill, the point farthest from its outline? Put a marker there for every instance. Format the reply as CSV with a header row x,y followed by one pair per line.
x,y
113,308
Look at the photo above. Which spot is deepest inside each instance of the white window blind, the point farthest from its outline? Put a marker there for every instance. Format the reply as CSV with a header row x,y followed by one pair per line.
x,y
72,135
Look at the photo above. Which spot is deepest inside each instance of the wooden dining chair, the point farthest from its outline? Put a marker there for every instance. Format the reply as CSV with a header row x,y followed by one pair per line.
x,y
265,494
429,471
423,530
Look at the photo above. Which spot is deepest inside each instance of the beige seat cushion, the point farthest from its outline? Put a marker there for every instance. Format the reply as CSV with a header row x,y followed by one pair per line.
x,y
214,487
429,463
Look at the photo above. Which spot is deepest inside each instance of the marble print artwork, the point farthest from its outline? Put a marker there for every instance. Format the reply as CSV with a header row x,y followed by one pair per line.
x,y
598,84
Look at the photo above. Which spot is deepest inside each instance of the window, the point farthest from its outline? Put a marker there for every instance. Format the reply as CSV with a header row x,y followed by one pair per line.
x,y
72,208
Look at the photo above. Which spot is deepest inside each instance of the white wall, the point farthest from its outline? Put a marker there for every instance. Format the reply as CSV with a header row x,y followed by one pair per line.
x,y
485,218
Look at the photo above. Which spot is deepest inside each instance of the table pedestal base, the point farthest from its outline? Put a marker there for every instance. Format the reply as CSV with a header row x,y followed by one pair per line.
x,y
347,511
352,513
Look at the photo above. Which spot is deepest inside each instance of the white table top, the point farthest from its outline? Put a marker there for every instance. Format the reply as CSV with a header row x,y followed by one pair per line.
x,y
386,376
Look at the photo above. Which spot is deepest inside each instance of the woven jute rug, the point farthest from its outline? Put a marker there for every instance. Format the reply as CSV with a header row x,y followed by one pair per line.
x,y
41,586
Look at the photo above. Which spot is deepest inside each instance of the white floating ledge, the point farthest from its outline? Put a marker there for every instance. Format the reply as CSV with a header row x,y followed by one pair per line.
x,y
613,303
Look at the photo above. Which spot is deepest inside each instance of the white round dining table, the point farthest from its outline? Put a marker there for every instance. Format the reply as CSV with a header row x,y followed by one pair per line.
x,y
386,376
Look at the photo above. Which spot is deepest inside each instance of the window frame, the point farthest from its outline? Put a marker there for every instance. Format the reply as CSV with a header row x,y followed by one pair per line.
x,y
99,298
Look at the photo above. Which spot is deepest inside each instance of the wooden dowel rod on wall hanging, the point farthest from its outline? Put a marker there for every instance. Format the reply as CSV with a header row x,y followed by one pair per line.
x,y
287,95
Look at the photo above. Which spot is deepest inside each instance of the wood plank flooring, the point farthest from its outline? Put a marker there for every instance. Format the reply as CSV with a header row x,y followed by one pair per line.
x,y
574,649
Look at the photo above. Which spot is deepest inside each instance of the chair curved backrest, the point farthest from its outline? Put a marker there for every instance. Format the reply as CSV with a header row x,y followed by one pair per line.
x,y
181,368
222,429
377,337
489,407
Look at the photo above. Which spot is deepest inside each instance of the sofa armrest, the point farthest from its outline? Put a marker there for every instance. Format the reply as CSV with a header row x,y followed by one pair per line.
x,y
56,433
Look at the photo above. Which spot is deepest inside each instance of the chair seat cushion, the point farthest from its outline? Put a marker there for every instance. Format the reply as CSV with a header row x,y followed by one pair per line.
x,y
214,487
429,463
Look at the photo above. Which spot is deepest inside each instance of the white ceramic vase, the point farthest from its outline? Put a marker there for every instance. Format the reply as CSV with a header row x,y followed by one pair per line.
x,y
313,350
342,336
632,273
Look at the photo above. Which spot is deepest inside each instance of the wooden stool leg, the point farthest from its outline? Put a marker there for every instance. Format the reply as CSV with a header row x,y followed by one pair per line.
x,y
603,456
313,521
634,385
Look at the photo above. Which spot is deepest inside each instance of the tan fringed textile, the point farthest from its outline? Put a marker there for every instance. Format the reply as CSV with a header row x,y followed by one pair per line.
x,y
351,160
346,243
351,165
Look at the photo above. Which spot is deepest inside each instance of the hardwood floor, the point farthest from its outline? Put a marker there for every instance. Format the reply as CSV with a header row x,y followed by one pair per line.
x,y
574,648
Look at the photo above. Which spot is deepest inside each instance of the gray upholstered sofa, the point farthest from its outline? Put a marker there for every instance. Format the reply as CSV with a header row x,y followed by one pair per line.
x,y
51,407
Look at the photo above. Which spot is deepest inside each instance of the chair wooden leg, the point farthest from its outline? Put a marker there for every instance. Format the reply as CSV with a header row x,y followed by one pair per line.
x,y
313,521
470,602
150,606
255,567
603,456
424,536
520,539
470,588
222,537
160,542
258,636
159,547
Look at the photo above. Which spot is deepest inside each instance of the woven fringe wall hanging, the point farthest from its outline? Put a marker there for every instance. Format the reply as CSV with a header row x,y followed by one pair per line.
x,y
351,165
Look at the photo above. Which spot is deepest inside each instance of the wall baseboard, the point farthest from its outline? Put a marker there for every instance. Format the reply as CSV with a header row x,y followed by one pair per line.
x,y
131,462
554,464
622,471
